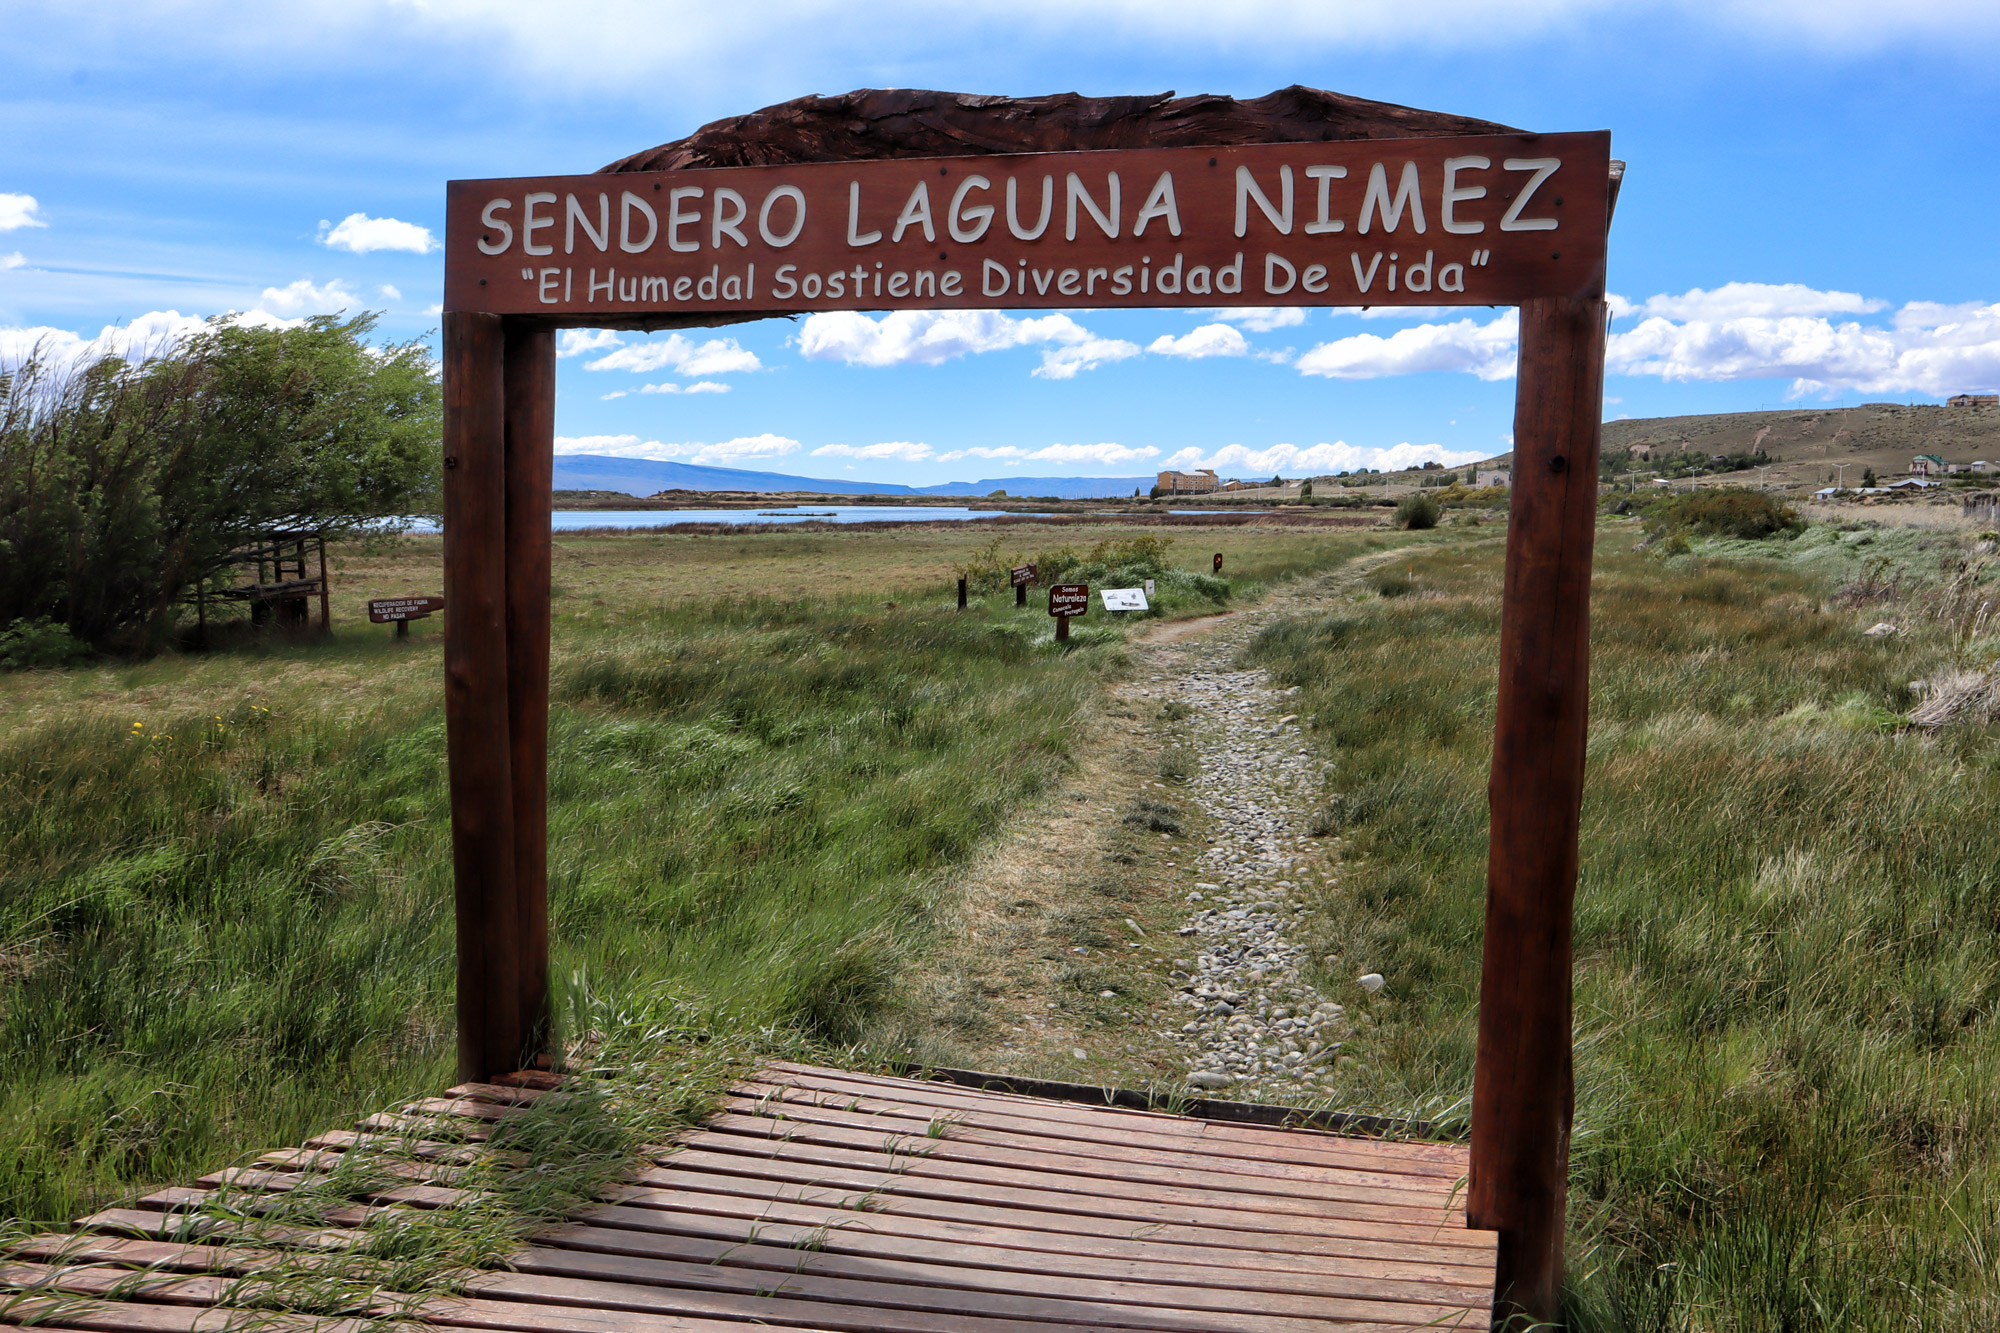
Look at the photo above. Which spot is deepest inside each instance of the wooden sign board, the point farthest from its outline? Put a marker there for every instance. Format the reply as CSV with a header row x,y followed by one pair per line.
x,y
387,609
1218,562
1022,575
1472,220
1069,599
1123,599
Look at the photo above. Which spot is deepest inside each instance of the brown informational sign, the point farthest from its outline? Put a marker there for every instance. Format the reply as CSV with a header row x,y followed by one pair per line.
x,y
1069,599
1022,575
386,609
1218,562
1477,220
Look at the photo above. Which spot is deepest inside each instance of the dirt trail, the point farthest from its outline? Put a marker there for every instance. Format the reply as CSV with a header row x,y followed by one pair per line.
x,y
1141,927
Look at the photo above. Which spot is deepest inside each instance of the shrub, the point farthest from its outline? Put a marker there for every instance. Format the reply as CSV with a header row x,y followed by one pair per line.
x,y
1724,512
1416,511
39,643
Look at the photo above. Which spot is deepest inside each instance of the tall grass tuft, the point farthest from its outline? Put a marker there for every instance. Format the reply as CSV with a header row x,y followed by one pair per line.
x,y
1788,934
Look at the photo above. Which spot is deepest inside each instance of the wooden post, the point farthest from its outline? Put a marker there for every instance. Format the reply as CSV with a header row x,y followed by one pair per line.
x,y
1522,1095
1062,629
531,428
961,594
1020,594
325,602
476,698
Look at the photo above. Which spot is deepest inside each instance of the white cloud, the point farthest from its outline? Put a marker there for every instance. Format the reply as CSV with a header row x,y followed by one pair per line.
x,y
303,298
615,393
1317,460
1102,454
575,342
932,337
1486,350
722,453
702,386
682,355
389,293
18,211
1262,318
903,451
1748,300
1005,451
359,233
1925,348
15,260
148,335
1208,340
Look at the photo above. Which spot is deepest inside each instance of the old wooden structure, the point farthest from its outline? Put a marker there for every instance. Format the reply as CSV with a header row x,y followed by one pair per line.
x,y
914,200
286,573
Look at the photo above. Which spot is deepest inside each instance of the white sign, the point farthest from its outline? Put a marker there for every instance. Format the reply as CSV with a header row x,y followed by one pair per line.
x,y
1123,599
1149,589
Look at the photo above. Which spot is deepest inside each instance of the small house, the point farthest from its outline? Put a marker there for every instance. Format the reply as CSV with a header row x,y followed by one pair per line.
x,y
1912,484
1973,400
1492,476
1927,465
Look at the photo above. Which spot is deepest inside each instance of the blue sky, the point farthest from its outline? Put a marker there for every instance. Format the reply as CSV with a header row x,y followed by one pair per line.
x,y
1812,213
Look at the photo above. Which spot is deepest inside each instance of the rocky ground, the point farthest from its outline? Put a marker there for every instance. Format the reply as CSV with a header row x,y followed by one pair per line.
x,y
1253,1023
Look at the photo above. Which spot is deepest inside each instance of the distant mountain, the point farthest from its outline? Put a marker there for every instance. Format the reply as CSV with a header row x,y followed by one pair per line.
x,y
645,476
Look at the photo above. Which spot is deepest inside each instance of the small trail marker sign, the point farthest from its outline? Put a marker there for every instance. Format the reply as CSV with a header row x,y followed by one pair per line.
x,y
1218,562
1149,590
1066,600
1123,599
1022,575
402,610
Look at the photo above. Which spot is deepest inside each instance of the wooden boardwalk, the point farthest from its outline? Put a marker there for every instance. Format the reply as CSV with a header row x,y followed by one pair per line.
x,y
822,1200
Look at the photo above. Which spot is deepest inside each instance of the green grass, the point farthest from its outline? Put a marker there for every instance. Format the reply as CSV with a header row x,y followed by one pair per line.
x,y
225,897
1788,926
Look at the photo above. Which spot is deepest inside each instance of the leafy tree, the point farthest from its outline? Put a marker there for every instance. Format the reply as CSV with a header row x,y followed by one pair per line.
x,y
1868,476
125,484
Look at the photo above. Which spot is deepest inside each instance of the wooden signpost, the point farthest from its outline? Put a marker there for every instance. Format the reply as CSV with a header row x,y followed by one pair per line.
x,y
1066,600
909,200
402,610
1022,575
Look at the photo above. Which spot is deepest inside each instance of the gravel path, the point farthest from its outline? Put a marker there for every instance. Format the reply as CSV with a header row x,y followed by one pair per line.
x,y
1252,1022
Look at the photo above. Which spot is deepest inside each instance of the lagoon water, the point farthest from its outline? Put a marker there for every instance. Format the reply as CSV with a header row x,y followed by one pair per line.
x,y
570,520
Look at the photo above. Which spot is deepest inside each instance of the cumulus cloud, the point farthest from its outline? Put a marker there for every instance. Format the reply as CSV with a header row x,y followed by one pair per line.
x,y
701,386
1486,350
680,354
903,451
1317,459
932,337
14,260
18,211
148,335
1924,348
304,298
389,293
719,454
1005,451
1208,340
575,342
1262,318
360,234
1747,300
1102,454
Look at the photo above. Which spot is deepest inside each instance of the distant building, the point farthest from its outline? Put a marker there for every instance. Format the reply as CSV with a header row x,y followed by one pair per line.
x,y
1232,485
1911,484
1927,465
1954,469
1493,476
1973,400
1189,483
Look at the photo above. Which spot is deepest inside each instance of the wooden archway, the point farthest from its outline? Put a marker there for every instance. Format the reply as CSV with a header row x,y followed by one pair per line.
x,y
1271,202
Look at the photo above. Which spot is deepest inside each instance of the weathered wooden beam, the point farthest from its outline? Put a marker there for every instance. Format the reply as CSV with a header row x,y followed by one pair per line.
x,y
476,696
531,425
1522,1096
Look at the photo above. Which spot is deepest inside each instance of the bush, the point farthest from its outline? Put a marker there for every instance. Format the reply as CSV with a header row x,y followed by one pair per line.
x,y
1724,512
39,643
1416,511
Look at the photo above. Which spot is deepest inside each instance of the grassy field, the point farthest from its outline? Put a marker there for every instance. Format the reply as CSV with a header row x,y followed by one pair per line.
x,y
1788,929
225,916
